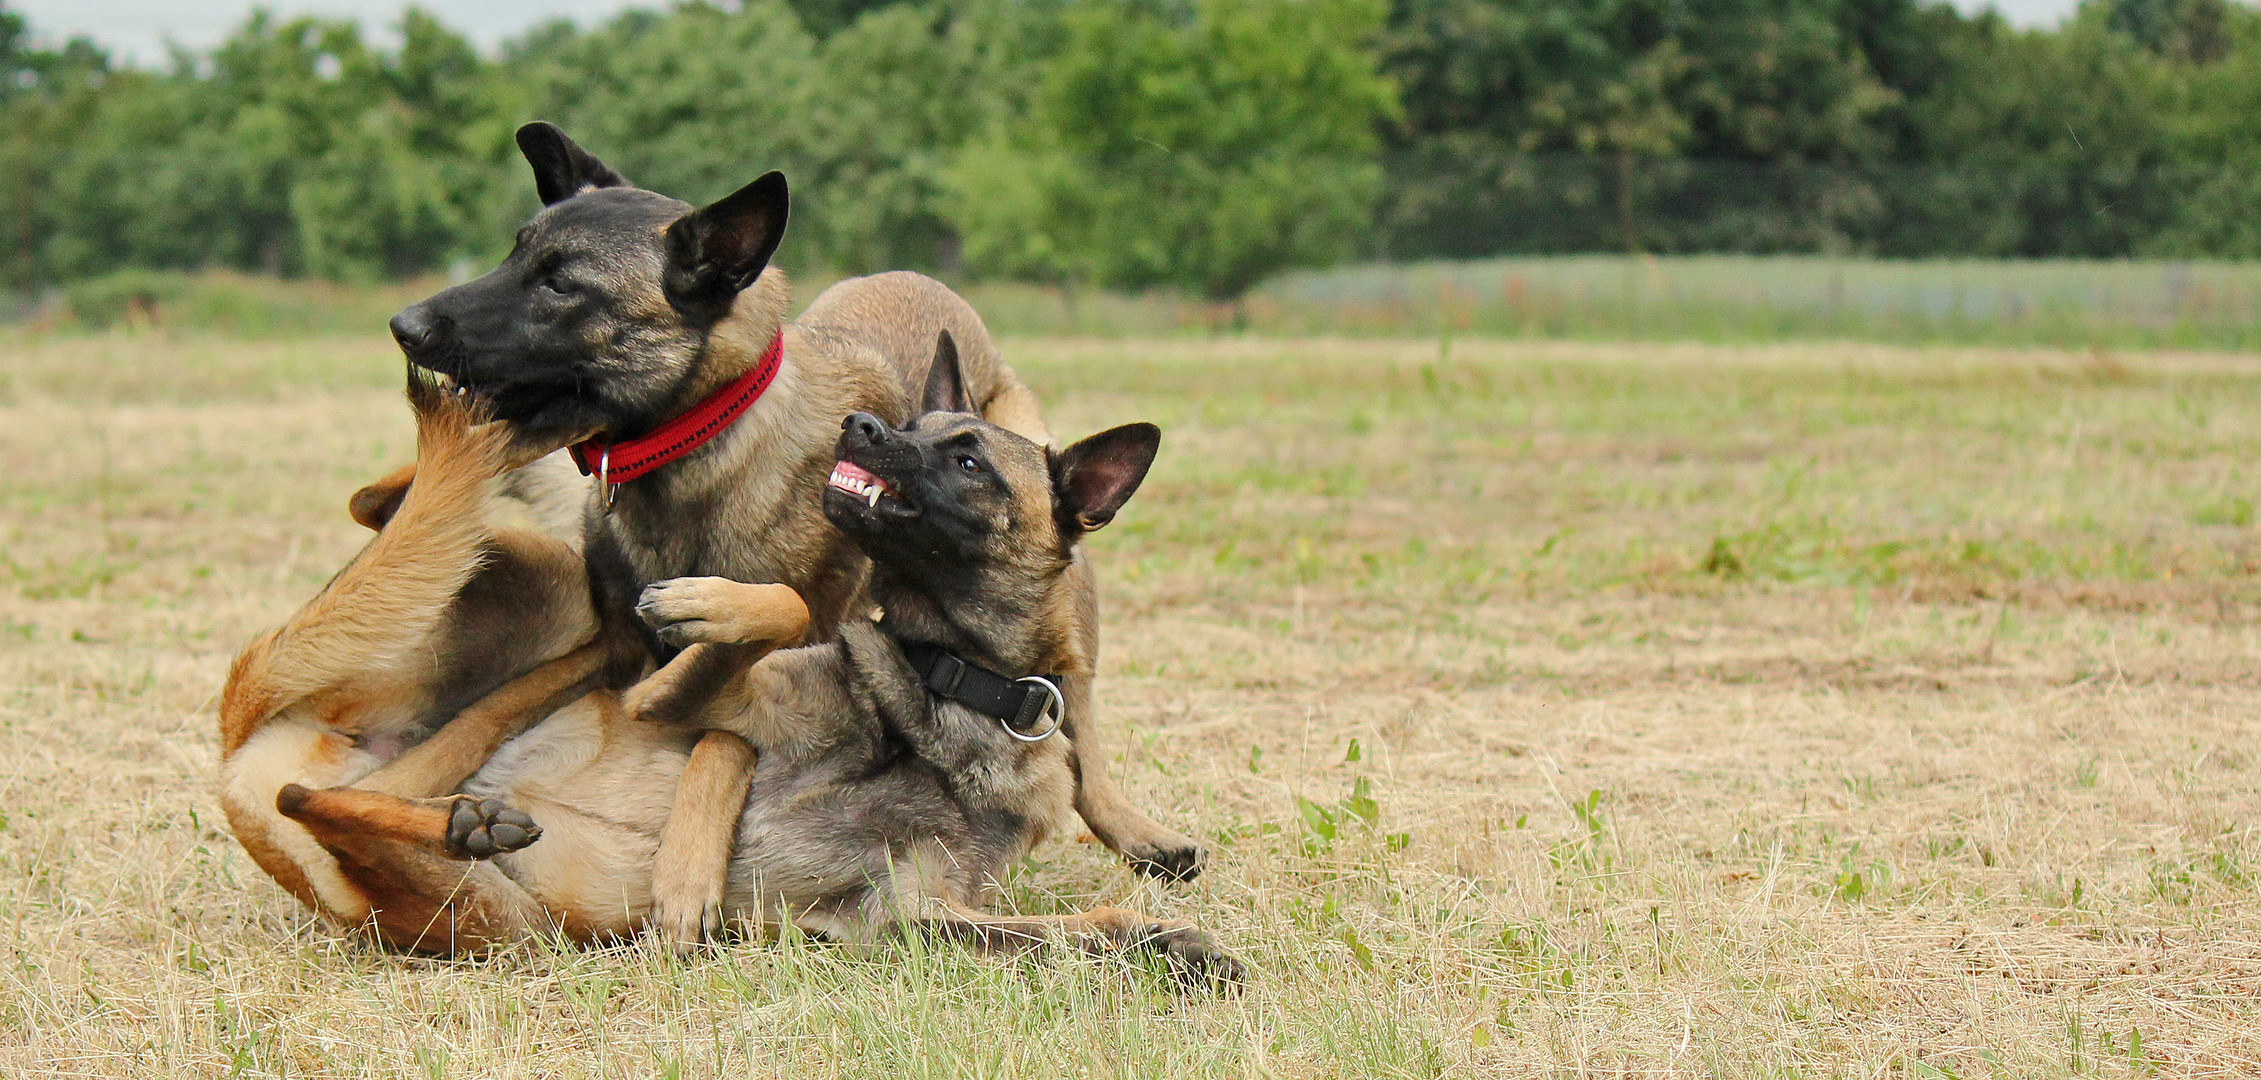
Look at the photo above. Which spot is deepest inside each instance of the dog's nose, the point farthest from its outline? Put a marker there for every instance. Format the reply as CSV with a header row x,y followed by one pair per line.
x,y
867,427
415,329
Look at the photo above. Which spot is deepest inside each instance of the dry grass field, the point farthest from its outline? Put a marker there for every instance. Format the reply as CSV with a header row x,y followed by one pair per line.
x,y
1554,710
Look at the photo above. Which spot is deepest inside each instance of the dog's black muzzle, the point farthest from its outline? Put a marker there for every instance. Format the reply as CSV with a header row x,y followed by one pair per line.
x,y
422,334
868,441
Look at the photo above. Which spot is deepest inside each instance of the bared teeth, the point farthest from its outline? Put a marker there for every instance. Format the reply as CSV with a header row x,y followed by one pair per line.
x,y
855,481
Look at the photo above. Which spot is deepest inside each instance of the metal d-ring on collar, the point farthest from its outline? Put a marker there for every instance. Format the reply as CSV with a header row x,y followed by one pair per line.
x,y
604,476
1055,709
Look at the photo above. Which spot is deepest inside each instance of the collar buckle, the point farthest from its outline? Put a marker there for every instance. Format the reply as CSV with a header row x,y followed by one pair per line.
x,y
1030,708
948,673
686,432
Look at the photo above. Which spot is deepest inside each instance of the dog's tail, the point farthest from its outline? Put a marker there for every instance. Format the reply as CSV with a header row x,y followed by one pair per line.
x,y
379,614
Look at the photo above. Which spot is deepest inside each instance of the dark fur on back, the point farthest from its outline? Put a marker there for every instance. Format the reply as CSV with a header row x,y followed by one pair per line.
x,y
971,531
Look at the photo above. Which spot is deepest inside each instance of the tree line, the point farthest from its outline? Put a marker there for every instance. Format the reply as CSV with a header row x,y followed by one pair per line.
x,y
1192,144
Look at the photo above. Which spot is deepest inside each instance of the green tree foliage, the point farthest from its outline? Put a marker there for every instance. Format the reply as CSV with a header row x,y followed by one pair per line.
x,y
1202,146
1892,126
693,103
905,89
1194,144
702,99
2177,29
46,100
2213,115
2050,146
298,150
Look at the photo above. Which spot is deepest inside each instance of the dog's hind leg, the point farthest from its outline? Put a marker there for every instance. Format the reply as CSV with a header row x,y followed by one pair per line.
x,y
414,860
1191,955
381,614
728,626
692,867
1149,846
441,763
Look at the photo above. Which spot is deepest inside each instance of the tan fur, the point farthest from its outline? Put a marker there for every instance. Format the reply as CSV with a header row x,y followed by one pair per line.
x,y
389,848
881,314
355,719
337,694
694,849
678,320
438,765
604,787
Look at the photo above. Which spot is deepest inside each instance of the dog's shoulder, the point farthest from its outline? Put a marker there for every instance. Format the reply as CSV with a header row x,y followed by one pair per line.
x,y
838,371
898,315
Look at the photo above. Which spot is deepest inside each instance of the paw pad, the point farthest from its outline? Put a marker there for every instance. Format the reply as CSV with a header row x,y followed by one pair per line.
x,y
483,828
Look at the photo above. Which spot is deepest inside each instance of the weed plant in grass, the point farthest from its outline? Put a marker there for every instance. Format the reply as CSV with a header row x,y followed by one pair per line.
x,y
1553,709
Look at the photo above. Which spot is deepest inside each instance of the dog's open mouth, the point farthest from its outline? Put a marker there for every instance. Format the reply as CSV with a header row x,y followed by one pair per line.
x,y
857,481
449,386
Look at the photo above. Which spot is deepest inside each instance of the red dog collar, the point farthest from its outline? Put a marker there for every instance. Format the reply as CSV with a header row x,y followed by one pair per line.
x,y
620,462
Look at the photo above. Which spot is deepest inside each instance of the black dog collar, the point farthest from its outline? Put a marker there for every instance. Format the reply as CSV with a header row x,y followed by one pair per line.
x,y
1029,707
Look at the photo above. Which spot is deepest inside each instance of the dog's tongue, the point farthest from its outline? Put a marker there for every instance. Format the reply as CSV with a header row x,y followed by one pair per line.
x,y
857,481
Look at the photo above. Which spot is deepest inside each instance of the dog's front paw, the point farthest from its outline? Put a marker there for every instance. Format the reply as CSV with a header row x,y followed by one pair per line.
x,y
1194,958
687,610
1176,858
686,914
484,828
718,611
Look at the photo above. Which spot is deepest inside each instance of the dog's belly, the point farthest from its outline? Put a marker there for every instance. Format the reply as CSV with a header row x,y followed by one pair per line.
x,y
600,786
823,845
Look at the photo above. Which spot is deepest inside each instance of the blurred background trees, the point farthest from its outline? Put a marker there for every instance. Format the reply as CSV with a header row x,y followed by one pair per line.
x,y
1195,144
1201,148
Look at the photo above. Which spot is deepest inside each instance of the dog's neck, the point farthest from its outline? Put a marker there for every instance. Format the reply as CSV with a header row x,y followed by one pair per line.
x,y
1014,623
732,346
736,341
645,516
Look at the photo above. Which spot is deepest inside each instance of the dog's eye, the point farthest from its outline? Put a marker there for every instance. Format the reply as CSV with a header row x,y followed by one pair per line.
x,y
969,464
554,284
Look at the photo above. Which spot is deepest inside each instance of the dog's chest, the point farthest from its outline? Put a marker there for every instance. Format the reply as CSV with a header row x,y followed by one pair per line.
x,y
752,539
755,534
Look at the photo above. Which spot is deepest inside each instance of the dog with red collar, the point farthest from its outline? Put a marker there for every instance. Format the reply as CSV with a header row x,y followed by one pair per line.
x,y
651,336
904,764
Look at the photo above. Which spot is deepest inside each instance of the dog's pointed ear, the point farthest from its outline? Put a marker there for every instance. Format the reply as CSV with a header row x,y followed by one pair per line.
x,y
945,381
561,169
714,252
1094,478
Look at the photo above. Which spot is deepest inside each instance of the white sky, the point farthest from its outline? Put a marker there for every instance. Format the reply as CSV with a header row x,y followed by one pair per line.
x,y
137,30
